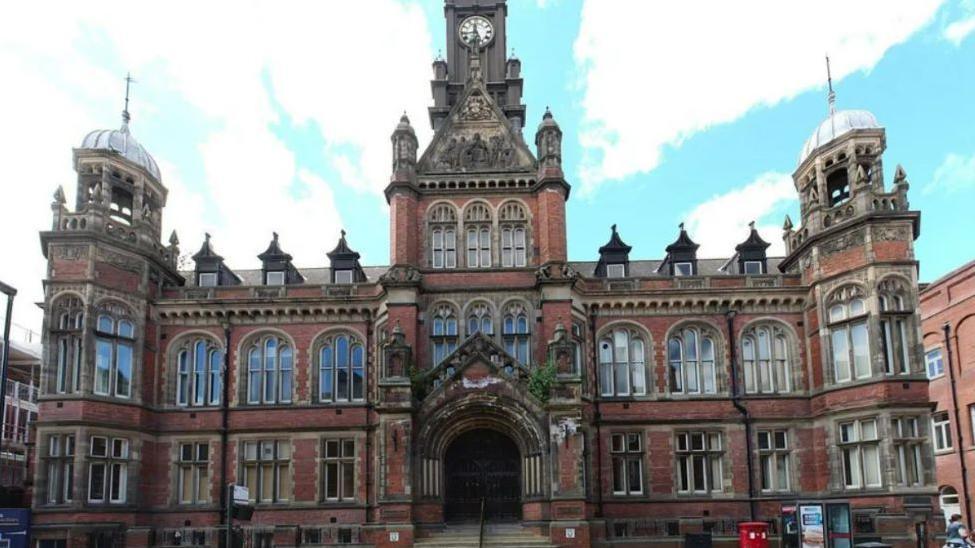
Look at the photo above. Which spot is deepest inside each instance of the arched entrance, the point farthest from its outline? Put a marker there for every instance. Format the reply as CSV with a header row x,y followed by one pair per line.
x,y
478,464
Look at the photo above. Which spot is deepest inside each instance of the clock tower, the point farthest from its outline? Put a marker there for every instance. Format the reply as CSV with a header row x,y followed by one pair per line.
x,y
502,75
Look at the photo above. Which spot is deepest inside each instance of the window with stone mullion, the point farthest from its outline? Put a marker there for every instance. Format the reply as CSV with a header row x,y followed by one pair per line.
x,y
198,372
341,372
622,365
478,246
68,337
443,333
894,321
513,246
765,360
60,468
908,446
114,342
850,340
692,357
517,336
270,364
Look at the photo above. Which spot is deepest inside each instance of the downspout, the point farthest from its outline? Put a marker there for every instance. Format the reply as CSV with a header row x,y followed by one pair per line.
x,y
954,403
224,423
736,401
597,416
369,407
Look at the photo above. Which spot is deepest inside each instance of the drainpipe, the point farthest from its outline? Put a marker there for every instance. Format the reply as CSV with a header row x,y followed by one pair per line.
x,y
597,416
954,403
736,401
224,426
376,361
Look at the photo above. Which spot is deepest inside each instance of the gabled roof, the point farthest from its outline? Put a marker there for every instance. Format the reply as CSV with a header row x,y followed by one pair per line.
x,y
683,243
476,137
206,251
754,242
342,250
274,251
615,243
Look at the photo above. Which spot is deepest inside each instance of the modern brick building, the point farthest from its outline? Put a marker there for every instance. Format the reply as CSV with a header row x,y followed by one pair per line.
x,y
948,328
620,401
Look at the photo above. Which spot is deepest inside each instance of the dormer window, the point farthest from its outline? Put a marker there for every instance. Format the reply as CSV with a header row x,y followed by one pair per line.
x,y
615,271
208,279
274,278
754,267
683,269
343,276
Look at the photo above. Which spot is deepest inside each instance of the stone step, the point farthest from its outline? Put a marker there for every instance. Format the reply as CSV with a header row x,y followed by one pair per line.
x,y
497,535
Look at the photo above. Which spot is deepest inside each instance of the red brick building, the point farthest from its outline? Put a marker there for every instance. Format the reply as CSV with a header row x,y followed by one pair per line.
x,y
613,402
948,327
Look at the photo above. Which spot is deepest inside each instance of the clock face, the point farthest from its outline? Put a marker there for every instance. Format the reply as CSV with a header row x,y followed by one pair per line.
x,y
476,26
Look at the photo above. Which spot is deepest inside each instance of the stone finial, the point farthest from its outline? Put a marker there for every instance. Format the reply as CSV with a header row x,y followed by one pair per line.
x,y
787,225
173,239
861,176
900,176
59,198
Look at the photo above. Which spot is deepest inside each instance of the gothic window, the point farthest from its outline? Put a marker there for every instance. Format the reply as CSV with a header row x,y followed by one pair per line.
x,y
114,342
198,373
847,319
338,476
341,369
691,353
444,333
443,237
68,320
838,187
192,467
774,459
121,207
895,319
108,470
860,449
514,248
627,453
477,224
578,348
60,468
765,360
479,320
516,333
622,363
699,462
270,365
267,470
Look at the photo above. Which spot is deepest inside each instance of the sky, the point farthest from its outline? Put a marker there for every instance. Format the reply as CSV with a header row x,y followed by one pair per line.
x,y
276,116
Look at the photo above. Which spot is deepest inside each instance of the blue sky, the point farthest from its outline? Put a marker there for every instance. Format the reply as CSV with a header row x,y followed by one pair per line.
x,y
276,116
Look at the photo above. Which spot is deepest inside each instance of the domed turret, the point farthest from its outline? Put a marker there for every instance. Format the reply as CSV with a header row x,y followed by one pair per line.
x,y
836,125
121,141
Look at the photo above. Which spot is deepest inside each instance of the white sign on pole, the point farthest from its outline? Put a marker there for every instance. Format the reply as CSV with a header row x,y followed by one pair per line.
x,y
241,494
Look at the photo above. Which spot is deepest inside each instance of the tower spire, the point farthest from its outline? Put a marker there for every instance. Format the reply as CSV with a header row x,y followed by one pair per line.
x,y
831,98
125,112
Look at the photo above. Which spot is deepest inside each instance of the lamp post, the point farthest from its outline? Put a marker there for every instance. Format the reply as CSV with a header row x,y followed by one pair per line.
x,y
10,292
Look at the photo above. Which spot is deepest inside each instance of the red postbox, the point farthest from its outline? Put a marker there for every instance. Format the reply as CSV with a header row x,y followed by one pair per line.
x,y
753,534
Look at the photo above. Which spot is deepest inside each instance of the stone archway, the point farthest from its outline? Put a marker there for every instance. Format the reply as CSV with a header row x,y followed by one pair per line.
x,y
482,466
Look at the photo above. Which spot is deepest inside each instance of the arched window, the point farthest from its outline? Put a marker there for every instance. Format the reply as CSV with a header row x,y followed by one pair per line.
x,y
691,354
765,360
114,342
849,338
895,322
838,186
341,369
477,223
443,237
516,334
270,365
68,319
444,333
198,373
479,320
622,363
513,221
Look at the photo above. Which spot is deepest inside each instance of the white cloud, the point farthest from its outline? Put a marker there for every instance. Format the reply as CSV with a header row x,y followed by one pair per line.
x,y
722,222
656,73
957,31
956,173
349,68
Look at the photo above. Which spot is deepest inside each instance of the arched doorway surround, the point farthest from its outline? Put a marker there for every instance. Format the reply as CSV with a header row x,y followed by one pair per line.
x,y
454,427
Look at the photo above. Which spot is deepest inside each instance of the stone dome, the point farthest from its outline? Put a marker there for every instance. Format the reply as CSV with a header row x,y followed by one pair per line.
x,y
835,125
122,142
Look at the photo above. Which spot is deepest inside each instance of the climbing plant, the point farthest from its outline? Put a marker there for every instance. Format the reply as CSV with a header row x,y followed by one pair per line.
x,y
541,380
